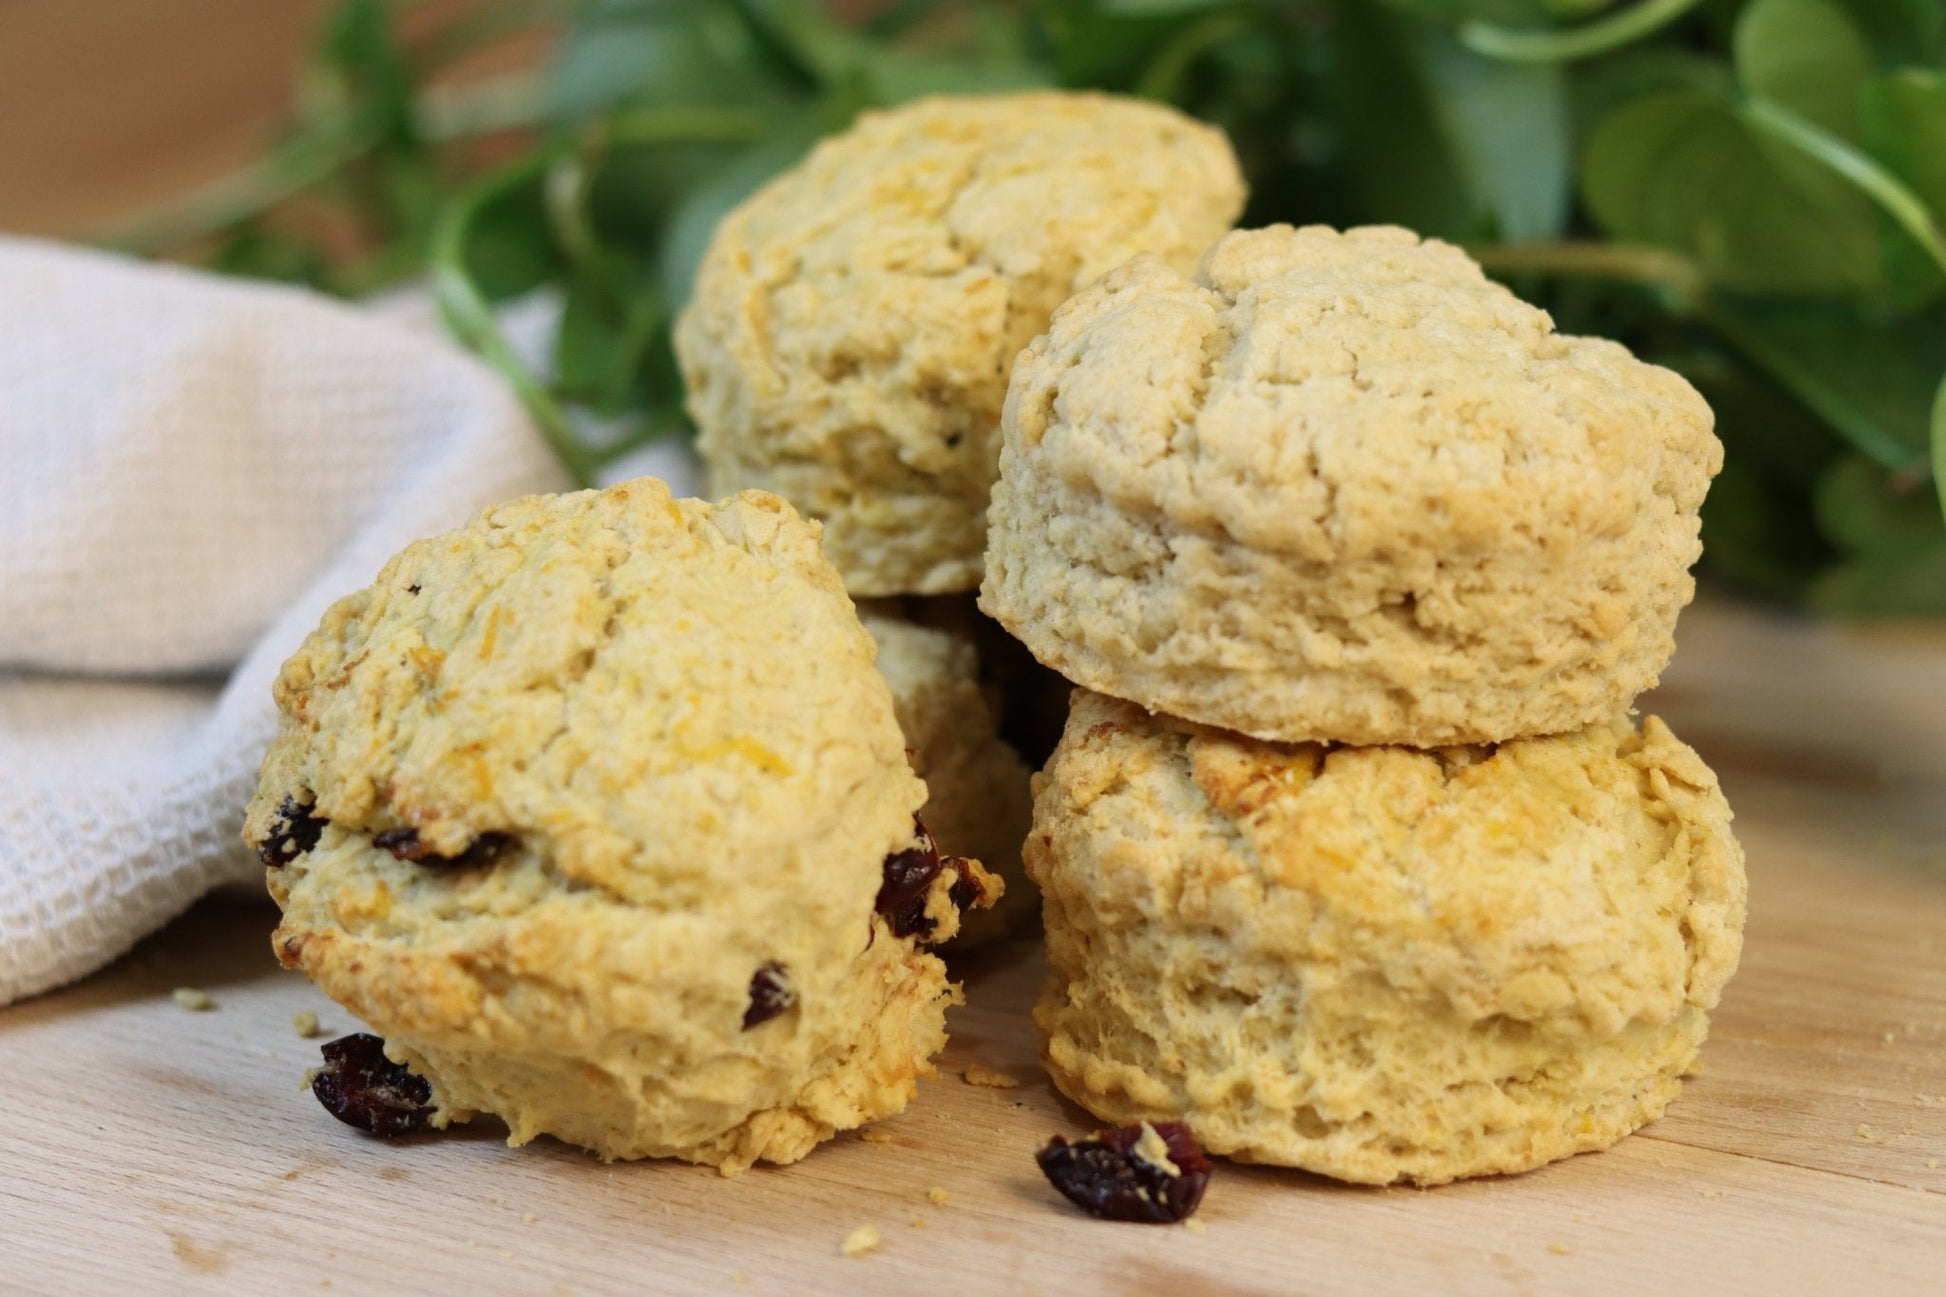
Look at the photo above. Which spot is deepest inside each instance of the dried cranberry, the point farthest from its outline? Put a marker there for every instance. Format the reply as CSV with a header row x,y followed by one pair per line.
x,y
967,891
293,831
402,843
770,995
361,1087
405,844
908,876
1110,1176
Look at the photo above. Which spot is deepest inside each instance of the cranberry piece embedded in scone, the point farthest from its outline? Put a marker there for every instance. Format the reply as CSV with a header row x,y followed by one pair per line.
x,y
770,995
293,832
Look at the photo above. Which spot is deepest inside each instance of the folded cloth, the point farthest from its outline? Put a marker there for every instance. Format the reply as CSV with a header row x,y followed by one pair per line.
x,y
191,470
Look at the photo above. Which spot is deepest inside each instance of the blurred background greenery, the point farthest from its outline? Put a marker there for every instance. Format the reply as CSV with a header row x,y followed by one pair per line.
x,y
1749,191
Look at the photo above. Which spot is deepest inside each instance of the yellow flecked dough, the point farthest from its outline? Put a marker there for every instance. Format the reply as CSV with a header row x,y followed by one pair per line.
x,y
1342,487
848,339
666,716
1380,964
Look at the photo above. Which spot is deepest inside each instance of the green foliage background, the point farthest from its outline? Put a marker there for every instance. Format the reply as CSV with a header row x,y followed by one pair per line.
x,y
1749,191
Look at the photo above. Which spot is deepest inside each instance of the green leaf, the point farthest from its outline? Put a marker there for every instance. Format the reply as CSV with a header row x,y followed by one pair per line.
x,y
1901,32
1870,375
1939,444
509,252
599,352
660,53
1754,521
1507,125
362,52
1447,142
1905,585
1904,119
1685,171
1754,535
692,223
262,252
1398,168
1600,87
1099,45
1806,56
1872,515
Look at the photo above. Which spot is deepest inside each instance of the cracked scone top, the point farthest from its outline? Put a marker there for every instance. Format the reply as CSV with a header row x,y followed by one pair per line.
x,y
586,808
1343,487
1380,963
848,338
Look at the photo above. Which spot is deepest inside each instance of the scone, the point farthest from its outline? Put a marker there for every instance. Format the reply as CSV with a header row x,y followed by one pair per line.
x,y
1380,964
1341,486
596,810
977,798
848,339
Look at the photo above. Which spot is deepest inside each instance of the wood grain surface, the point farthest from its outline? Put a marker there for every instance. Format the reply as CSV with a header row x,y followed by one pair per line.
x,y
147,1148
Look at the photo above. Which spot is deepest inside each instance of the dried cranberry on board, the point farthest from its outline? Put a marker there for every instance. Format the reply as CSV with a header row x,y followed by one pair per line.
x,y
293,832
361,1087
1153,1174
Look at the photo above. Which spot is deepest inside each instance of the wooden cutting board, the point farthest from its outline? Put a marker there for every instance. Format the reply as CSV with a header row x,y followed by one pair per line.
x,y
147,1148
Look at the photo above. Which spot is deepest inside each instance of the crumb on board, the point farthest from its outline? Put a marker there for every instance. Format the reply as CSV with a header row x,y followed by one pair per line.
x,y
737,1276
194,1000
305,1024
1932,1164
529,1218
1195,1225
918,1222
1864,1132
1712,1193
937,1196
873,1135
1560,1249
988,1078
860,1241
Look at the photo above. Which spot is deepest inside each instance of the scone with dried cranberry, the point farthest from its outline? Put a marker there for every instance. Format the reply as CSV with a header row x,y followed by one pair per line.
x,y
1380,963
977,797
597,811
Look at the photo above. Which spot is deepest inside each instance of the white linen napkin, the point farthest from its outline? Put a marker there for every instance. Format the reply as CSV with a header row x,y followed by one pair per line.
x,y
191,469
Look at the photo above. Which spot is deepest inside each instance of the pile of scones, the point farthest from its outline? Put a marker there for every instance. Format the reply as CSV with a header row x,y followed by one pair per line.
x,y
638,821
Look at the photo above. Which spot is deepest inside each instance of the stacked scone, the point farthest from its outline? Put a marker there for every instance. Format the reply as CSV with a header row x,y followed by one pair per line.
x,y
848,343
1351,855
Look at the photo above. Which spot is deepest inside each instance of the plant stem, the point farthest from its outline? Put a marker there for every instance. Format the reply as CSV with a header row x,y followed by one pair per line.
x,y
1163,77
1878,184
313,155
1560,46
1674,275
468,313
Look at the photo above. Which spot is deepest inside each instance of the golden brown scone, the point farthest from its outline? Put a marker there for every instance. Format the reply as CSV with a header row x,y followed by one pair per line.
x,y
1342,487
977,799
848,338
1380,964
587,806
